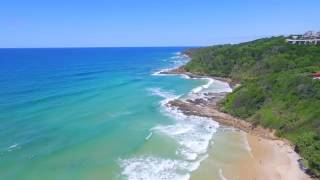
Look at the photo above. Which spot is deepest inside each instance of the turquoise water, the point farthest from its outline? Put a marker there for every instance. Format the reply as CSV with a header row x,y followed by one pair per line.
x,y
97,113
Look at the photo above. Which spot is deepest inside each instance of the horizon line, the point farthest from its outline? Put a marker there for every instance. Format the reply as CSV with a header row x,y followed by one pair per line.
x,y
74,47
248,39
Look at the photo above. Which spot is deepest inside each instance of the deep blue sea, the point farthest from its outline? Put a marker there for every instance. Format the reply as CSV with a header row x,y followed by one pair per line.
x,y
98,113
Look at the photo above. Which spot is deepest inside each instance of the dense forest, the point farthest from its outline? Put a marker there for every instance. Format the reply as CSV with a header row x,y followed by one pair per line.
x,y
277,88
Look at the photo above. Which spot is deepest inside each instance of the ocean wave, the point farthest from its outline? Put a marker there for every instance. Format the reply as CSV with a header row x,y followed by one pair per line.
x,y
13,147
206,86
155,168
178,59
149,136
159,92
185,76
166,95
192,133
160,72
218,88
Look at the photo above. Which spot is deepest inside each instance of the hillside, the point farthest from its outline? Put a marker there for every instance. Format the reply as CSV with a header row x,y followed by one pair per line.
x,y
277,88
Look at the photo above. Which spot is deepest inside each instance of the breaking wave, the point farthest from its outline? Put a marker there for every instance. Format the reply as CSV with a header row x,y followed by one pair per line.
x,y
178,59
155,168
192,134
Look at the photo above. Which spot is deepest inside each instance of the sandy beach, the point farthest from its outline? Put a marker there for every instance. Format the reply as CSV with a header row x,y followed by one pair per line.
x,y
269,159
236,155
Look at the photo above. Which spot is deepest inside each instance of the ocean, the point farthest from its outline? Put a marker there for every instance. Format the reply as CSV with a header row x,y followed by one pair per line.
x,y
100,113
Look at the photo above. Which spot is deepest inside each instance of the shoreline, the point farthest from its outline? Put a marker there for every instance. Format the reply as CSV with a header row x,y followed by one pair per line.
x,y
268,159
280,161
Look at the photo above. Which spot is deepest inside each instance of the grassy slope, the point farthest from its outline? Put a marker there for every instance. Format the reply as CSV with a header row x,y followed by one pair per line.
x,y
277,89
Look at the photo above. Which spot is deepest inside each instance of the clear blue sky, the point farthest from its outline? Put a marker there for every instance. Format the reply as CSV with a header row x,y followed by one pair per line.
x,y
77,23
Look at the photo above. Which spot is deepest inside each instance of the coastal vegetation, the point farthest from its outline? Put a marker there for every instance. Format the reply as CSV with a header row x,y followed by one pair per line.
x,y
277,88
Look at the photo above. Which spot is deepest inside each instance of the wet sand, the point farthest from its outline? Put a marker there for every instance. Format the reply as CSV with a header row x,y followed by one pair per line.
x,y
236,155
272,159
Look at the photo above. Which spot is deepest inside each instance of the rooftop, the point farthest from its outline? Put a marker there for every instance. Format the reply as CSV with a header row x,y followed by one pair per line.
x,y
308,38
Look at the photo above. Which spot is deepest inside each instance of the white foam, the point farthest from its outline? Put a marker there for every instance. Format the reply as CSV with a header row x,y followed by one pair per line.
x,y
192,133
149,136
167,95
175,57
218,88
158,168
155,168
246,144
197,89
221,175
185,76
178,59
160,72
13,147
210,81
206,86
159,92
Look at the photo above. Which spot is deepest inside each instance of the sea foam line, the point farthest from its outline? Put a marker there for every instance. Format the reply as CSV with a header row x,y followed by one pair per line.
x,y
221,175
166,95
149,136
160,72
206,86
178,59
13,147
155,168
192,133
246,143
219,88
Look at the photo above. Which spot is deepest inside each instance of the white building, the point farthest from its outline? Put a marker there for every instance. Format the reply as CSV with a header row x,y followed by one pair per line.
x,y
304,41
308,38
